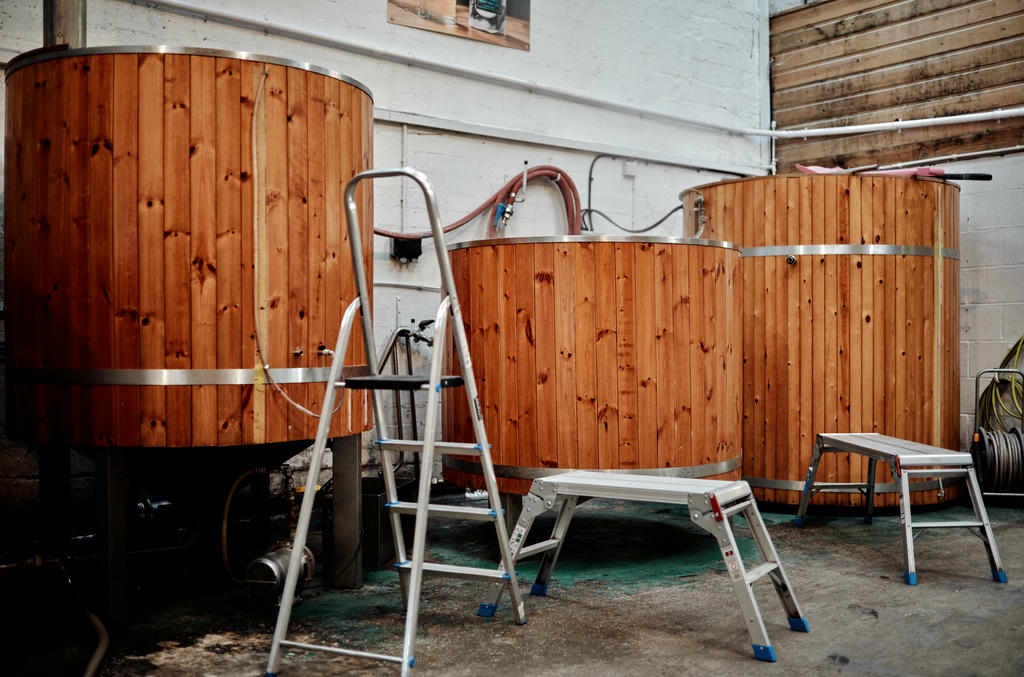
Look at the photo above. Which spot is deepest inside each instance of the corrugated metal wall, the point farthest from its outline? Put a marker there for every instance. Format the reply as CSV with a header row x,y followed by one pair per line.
x,y
848,62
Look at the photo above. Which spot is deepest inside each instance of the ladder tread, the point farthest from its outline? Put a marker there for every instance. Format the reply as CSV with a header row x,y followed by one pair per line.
x,y
461,448
399,382
449,511
340,651
760,570
951,523
542,546
459,571
737,507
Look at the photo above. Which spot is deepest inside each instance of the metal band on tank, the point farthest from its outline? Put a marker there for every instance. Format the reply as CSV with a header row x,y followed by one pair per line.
x,y
48,54
530,473
888,488
168,377
847,250
582,239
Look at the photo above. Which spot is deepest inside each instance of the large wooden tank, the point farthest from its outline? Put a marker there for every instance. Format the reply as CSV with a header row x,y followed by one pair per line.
x,y
133,210
850,293
596,352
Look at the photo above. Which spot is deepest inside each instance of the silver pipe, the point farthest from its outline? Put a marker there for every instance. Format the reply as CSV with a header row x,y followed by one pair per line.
x,y
954,156
405,285
64,23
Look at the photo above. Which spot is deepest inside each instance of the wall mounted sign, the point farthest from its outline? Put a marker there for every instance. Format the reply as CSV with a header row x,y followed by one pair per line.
x,y
499,22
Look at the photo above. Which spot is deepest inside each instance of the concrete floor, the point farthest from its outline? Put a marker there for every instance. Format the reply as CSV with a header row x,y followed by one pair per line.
x,y
638,590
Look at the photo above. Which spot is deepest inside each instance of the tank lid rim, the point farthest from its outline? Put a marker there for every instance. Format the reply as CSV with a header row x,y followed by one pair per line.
x,y
49,53
585,238
801,175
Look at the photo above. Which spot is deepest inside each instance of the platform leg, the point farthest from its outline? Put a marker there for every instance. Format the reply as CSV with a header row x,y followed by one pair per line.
x,y
869,496
532,506
763,649
547,565
998,574
709,518
797,620
903,488
805,498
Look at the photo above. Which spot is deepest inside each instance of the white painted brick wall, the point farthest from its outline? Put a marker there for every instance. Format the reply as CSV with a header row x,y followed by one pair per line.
x,y
991,273
698,59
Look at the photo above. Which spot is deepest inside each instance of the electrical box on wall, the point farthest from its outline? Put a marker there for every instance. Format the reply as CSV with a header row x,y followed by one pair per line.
x,y
405,251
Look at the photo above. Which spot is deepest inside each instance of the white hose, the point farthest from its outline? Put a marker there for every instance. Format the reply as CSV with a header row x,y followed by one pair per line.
x,y
102,644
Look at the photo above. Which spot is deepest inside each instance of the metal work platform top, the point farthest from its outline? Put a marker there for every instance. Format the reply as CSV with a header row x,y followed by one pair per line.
x,y
639,487
885,448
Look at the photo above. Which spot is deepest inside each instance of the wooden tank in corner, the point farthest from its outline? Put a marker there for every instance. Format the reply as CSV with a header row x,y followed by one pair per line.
x,y
851,290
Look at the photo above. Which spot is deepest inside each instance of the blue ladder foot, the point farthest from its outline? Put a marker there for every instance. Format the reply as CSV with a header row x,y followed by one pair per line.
x,y
909,578
486,610
868,519
539,590
271,674
799,624
998,576
799,521
764,652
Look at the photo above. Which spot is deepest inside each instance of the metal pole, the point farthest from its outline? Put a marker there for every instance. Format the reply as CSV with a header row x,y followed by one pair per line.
x,y
64,23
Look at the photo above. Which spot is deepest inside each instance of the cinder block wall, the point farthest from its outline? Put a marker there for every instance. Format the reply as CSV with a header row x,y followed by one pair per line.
x,y
992,271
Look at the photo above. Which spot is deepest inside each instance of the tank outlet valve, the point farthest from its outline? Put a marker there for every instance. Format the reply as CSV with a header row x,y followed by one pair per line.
x,y
264,577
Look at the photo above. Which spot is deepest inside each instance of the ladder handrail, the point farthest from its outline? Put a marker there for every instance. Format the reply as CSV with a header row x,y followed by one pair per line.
x,y
448,310
447,286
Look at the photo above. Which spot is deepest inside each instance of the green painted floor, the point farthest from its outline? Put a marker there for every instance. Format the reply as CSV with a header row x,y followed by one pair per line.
x,y
638,589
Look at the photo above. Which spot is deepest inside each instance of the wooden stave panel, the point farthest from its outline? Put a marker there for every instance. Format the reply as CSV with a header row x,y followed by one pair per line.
x,y
885,217
115,163
716,267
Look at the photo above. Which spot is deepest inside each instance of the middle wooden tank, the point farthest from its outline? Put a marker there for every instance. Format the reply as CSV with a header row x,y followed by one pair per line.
x,y
598,352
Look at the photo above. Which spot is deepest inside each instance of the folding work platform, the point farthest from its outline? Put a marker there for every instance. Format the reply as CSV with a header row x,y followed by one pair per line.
x,y
712,504
906,459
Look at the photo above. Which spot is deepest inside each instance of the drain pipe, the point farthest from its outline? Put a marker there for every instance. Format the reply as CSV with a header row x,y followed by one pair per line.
x,y
64,23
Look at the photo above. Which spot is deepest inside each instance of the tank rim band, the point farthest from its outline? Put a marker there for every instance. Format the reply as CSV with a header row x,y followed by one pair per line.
x,y
49,53
847,250
169,377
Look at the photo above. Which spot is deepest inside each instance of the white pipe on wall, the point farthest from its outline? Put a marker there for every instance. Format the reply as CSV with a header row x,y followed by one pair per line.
x,y
557,92
889,126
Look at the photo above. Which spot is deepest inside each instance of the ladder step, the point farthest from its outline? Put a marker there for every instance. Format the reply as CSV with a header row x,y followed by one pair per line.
x,y
446,511
731,510
399,382
936,525
460,448
455,571
760,570
543,546
343,652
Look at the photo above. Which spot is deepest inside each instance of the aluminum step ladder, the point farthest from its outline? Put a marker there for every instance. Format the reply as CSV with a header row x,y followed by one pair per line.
x,y
905,459
411,569
712,505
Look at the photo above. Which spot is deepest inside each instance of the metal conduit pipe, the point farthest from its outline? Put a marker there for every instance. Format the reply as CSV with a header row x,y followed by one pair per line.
x,y
292,32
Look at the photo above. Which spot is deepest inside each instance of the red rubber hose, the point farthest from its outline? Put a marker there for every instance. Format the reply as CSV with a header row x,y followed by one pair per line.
x,y
566,188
